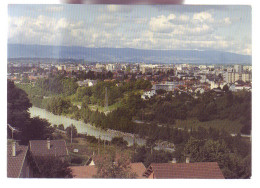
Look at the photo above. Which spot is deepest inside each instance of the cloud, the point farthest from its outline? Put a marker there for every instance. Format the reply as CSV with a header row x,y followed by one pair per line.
x,y
162,24
181,25
165,31
204,17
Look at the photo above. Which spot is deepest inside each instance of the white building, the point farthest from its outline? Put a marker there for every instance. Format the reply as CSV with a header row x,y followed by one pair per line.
x,y
87,82
246,77
214,85
238,68
231,77
148,94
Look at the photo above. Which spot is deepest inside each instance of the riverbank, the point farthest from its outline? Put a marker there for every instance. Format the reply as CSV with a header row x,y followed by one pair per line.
x,y
84,128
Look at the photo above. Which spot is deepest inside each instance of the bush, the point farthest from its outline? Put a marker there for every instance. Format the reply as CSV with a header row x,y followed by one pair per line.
x,y
119,141
92,139
76,160
61,127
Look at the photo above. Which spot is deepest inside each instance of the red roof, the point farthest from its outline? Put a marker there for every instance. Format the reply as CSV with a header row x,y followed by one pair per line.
x,y
90,171
201,170
15,164
83,171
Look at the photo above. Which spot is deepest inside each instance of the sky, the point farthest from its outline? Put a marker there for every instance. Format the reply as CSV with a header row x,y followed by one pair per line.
x,y
164,27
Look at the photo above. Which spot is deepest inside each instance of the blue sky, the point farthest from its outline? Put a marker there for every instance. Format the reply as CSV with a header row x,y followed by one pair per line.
x,y
224,28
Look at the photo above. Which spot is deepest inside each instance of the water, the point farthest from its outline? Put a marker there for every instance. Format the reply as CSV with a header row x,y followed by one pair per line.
x,y
83,127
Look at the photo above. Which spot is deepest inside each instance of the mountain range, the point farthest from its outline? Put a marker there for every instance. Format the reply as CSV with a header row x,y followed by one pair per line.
x,y
130,55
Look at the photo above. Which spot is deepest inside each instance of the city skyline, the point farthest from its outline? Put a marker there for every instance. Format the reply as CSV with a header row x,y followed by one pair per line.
x,y
222,28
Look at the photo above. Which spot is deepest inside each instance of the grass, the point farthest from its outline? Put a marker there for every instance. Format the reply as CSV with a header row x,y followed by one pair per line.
x,y
227,125
75,103
103,109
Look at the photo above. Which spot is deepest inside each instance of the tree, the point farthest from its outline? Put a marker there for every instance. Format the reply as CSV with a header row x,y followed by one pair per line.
x,y
53,167
37,129
69,86
215,151
225,88
110,167
71,130
160,91
61,127
19,117
119,141
17,106
193,149
109,74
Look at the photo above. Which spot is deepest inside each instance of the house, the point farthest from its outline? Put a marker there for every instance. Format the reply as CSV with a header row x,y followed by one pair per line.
x,y
87,82
18,165
48,148
91,170
148,94
201,170
199,90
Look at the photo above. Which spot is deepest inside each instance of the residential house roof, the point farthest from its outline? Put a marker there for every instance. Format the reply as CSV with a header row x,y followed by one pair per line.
x,y
90,171
201,170
57,148
15,163
83,171
138,168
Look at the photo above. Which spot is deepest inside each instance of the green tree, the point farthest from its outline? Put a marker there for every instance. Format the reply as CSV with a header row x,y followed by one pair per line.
x,y
119,141
71,130
193,149
53,167
37,129
17,106
110,167
19,117
214,151
225,88
69,86
61,127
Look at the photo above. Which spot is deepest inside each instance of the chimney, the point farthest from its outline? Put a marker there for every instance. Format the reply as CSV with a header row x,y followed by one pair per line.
x,y
48,143
187,159
14,148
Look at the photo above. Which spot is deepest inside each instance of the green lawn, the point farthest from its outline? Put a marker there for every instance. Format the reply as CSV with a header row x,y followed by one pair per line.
x,y
228,125
103,109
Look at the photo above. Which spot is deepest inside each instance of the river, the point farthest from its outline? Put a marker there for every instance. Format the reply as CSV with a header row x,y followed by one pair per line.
x,y
88,129
83,127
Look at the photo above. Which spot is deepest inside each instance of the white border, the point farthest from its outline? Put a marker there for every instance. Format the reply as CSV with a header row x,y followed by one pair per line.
x,y
131,183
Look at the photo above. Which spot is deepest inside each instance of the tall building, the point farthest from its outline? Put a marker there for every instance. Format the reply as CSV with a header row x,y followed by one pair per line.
x,y
246,77
231,77
238,68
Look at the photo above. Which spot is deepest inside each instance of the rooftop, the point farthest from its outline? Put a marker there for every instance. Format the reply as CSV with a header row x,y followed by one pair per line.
x,y
90,171
15,163
57,148
201,170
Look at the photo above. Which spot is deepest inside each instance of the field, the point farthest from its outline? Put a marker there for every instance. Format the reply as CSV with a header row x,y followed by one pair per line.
x,y
227,125
103,109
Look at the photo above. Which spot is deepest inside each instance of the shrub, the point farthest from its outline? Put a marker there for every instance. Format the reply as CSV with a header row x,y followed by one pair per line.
x,y
76,160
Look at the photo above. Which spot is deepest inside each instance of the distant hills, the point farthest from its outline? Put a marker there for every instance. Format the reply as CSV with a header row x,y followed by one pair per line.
x,y
126,54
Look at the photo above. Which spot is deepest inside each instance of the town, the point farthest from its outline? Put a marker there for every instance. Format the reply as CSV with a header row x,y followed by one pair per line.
x,y
169,77
83,153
